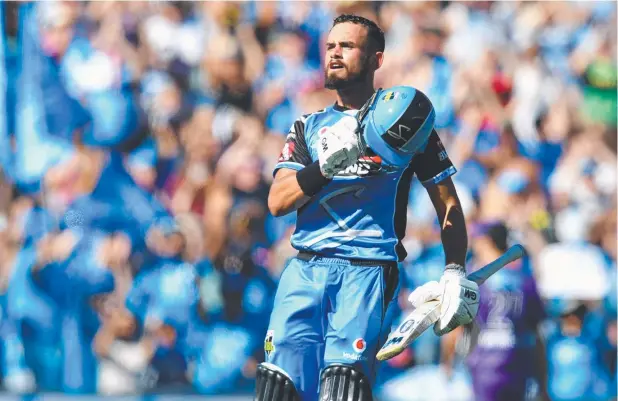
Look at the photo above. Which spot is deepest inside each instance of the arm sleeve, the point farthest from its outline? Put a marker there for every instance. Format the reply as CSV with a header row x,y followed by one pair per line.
x,y
295,154
433,165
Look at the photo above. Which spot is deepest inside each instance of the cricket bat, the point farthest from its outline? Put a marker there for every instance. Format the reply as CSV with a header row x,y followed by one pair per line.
x,y
423,317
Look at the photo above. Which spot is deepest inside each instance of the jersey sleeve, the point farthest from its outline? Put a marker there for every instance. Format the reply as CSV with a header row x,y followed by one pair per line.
x,y
295,154
433,165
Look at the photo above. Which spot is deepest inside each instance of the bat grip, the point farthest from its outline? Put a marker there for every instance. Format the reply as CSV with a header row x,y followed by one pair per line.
x,y
512,254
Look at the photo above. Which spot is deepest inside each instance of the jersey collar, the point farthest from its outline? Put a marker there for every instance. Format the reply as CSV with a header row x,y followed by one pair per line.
x,y
338,107
344,109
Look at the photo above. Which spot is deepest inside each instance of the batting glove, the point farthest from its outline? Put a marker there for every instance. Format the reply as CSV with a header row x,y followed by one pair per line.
x,y
338,147
458,296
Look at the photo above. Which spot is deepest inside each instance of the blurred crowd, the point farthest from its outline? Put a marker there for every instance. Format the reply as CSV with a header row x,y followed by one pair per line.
x,y
137,253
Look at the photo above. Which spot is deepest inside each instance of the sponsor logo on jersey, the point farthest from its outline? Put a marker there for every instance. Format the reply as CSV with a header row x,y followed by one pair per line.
x,y
359,345
360,169
367,166
269,345
442,155
354,357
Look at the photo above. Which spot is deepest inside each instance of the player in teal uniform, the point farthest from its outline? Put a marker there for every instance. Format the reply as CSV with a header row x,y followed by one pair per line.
x,y
347,170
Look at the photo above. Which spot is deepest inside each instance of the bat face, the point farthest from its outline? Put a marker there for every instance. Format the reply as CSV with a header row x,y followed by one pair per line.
x,y
427,314
410,328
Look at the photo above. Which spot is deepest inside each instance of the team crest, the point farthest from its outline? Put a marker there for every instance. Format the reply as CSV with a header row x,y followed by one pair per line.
x,y
269,346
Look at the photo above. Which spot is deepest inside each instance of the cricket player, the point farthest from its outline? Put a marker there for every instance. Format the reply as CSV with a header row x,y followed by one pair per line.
x,y
349,184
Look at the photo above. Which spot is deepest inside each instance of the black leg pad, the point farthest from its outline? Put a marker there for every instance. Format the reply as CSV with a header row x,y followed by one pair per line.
x,y
344,383
272,384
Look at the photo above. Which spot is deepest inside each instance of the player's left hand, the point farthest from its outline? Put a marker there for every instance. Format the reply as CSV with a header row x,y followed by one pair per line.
x,y
458,296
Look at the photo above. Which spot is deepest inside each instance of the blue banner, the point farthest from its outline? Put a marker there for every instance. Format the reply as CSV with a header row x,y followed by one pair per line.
x,y
35,151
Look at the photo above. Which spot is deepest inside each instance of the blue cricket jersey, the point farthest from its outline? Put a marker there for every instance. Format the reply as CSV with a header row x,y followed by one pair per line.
x,y
361,213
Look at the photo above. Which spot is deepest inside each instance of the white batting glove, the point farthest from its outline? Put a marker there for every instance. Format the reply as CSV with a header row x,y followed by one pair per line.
x,y
338,146
458,296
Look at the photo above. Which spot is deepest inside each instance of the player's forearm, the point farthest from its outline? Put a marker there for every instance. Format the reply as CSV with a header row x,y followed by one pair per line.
x,y
285,195
292,189
452,221
455,236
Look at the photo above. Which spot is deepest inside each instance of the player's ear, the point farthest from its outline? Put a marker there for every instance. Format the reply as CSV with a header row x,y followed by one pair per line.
x,y
379,59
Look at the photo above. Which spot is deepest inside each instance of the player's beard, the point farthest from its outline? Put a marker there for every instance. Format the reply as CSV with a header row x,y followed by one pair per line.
x,y
337,83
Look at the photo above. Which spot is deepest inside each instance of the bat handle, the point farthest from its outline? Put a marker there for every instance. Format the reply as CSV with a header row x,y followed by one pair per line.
x,y
512,254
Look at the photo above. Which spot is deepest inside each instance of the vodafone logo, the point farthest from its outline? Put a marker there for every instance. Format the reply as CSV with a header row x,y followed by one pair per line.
x,y
359,345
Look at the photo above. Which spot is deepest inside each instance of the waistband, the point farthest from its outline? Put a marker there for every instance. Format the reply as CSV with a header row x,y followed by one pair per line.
x,y
315,257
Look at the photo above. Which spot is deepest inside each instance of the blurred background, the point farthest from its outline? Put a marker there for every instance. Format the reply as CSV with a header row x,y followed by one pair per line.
x,y
137,254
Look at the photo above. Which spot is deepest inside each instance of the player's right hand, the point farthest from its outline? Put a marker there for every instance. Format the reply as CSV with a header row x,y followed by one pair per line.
x,y
338,146
458,297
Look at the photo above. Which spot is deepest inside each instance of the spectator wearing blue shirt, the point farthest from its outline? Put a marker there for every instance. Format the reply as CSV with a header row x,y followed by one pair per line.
x,y
84,89
96,192
29,310
36,315
575,365
222,354
72,284
163,301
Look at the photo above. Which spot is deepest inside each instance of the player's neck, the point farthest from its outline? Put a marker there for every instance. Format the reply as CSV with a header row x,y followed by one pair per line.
x,y
355,97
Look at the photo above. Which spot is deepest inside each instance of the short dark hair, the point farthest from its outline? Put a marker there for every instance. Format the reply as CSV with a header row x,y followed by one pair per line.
x,y
373,30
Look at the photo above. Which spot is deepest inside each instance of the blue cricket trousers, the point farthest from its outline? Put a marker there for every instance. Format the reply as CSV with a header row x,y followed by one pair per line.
x,y
329,311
